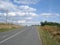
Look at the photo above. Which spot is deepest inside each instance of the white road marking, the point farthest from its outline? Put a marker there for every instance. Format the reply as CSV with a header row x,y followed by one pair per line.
x,y
11,36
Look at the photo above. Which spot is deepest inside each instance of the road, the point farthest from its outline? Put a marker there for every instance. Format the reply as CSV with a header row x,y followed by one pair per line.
x,y
23,36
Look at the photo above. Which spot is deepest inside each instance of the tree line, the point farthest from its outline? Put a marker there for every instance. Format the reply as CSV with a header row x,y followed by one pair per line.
x,y
50,23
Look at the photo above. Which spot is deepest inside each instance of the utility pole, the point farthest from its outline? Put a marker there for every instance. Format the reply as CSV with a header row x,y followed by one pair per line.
x,y
6,16
6,11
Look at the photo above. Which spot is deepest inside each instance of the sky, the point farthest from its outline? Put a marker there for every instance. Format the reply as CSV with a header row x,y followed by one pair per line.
x,y
28,12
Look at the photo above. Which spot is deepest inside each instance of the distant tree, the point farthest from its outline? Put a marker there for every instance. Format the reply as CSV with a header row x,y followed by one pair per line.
x,y
42,24
50,23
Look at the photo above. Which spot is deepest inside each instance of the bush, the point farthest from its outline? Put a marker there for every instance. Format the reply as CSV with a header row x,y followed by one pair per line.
x,y
50,23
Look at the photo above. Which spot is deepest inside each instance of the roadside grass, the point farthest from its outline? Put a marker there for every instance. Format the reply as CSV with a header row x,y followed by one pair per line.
x,y
4,30
46,37
7,27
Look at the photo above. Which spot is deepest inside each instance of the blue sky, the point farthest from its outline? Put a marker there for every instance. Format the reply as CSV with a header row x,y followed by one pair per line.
x,y
28,12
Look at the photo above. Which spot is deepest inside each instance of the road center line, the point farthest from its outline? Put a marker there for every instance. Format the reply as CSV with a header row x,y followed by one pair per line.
x,y
11,36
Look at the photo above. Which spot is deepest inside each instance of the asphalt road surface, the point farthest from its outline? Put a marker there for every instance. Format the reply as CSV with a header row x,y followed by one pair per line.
x,y
23,36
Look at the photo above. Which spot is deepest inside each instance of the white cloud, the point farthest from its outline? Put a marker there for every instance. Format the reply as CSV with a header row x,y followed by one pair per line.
x,y
29,18
7,6
29,14
20,13
0,13
23,11
57,14
11,7
27,8
33,22
26,1
33,14
21,21
46,14
4,14
11,14
49,14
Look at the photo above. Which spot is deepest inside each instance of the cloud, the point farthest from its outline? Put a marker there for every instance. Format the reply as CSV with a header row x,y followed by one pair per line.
x,y
33,22
28,18
26,1
7,6
8,14
27,8
28,23
18,21
11,14
13,11
4,14
33,14
22,10
57,14
45,14
21,21
21,14
49,14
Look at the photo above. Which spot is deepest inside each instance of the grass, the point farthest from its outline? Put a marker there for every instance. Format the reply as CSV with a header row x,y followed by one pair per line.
x,y
7,27
46,37
4,30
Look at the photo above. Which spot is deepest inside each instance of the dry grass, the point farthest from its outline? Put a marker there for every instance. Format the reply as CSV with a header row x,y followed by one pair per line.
x,y
46,36
6,27
54,31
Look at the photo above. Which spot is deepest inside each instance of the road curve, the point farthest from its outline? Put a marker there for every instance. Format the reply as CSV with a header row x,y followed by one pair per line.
x,y
25,36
